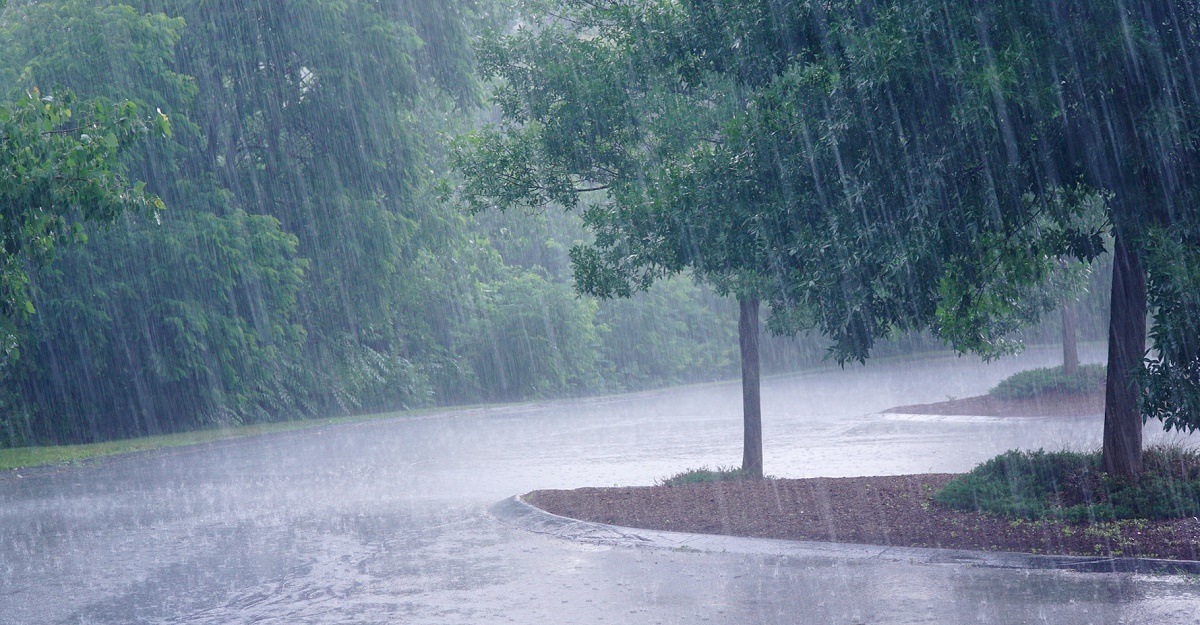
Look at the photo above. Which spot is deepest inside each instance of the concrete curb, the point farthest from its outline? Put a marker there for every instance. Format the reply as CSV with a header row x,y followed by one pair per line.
x,y
517,513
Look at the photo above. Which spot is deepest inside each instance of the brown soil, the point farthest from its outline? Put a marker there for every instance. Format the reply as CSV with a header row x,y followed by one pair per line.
x,y
1047,405
893,510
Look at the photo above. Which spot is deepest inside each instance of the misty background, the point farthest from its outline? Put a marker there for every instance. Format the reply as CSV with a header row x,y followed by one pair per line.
x,y
309,262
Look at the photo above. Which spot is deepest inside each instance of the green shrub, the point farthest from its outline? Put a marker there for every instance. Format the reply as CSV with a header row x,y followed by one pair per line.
x,y
1071,486
1035,382
705,474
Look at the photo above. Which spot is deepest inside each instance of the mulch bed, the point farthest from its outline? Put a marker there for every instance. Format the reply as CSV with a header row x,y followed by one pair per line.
x,y
892,510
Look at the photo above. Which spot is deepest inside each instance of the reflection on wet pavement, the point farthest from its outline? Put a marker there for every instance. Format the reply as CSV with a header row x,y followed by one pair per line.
x,y
386,522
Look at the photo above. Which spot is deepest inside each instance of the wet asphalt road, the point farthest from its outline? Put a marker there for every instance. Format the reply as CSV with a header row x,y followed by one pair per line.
x,y
386,521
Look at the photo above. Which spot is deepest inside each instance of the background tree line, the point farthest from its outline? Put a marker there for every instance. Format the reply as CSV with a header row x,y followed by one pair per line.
x,y
304,263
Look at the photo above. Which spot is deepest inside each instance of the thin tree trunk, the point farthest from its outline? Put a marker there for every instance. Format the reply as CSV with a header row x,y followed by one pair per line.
x,y
752,458
1126,349
1070,351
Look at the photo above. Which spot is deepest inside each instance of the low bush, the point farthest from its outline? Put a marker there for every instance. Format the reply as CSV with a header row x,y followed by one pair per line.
x,y
705,474
1071,486
1036,382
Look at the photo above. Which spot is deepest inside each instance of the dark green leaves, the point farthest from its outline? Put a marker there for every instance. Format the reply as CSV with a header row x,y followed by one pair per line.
x,y
60,167
1172,375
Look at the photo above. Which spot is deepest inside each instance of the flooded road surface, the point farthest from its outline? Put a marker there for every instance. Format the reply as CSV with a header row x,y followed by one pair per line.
x,y
386,521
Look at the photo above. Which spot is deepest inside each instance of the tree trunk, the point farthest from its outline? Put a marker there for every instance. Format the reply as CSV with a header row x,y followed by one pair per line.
x,y
1126,349
752,458
1070,352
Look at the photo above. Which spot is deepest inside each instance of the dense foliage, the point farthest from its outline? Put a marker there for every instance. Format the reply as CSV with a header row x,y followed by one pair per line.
x,y
1073,487
302,262
60,170
1051,380
1172,379
761,148
879,168
869,167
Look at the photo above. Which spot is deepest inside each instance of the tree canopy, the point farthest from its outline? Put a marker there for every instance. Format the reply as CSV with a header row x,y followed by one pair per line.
x,y
303,264
868,166
781,177
61,169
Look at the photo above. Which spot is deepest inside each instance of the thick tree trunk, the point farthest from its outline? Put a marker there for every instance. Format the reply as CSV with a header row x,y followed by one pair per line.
x,y
1070,352
1126,349
752,458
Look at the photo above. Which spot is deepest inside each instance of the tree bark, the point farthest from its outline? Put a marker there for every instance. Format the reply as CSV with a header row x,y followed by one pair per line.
x,y
1070,351
752,457
1126,349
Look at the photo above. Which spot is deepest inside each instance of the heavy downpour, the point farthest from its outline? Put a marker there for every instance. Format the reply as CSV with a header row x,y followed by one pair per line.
x,y
599,311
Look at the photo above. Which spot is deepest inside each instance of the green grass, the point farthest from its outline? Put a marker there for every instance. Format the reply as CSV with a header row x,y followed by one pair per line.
x,y
21,457
703,475
1071,486
1036,382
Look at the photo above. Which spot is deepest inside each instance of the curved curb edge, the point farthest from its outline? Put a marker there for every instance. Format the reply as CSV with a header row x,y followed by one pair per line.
x,y
518,513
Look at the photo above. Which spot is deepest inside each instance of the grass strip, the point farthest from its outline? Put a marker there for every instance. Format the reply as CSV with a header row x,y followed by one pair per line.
x,y
22,457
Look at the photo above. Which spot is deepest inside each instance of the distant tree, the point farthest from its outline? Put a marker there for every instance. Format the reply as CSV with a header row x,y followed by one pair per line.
x,y
1067,291
302,129
325,116
595,118
167,319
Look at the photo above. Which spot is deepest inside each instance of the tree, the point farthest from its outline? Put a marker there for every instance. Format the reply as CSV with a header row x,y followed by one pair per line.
x,y
875,166
326,116
61,169
977,126
589,107
200,328
292,275
1062,97
1066,286
304,266
718,132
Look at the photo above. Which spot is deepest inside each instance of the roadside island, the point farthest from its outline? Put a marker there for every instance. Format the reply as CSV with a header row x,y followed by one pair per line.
x,y
1055,503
